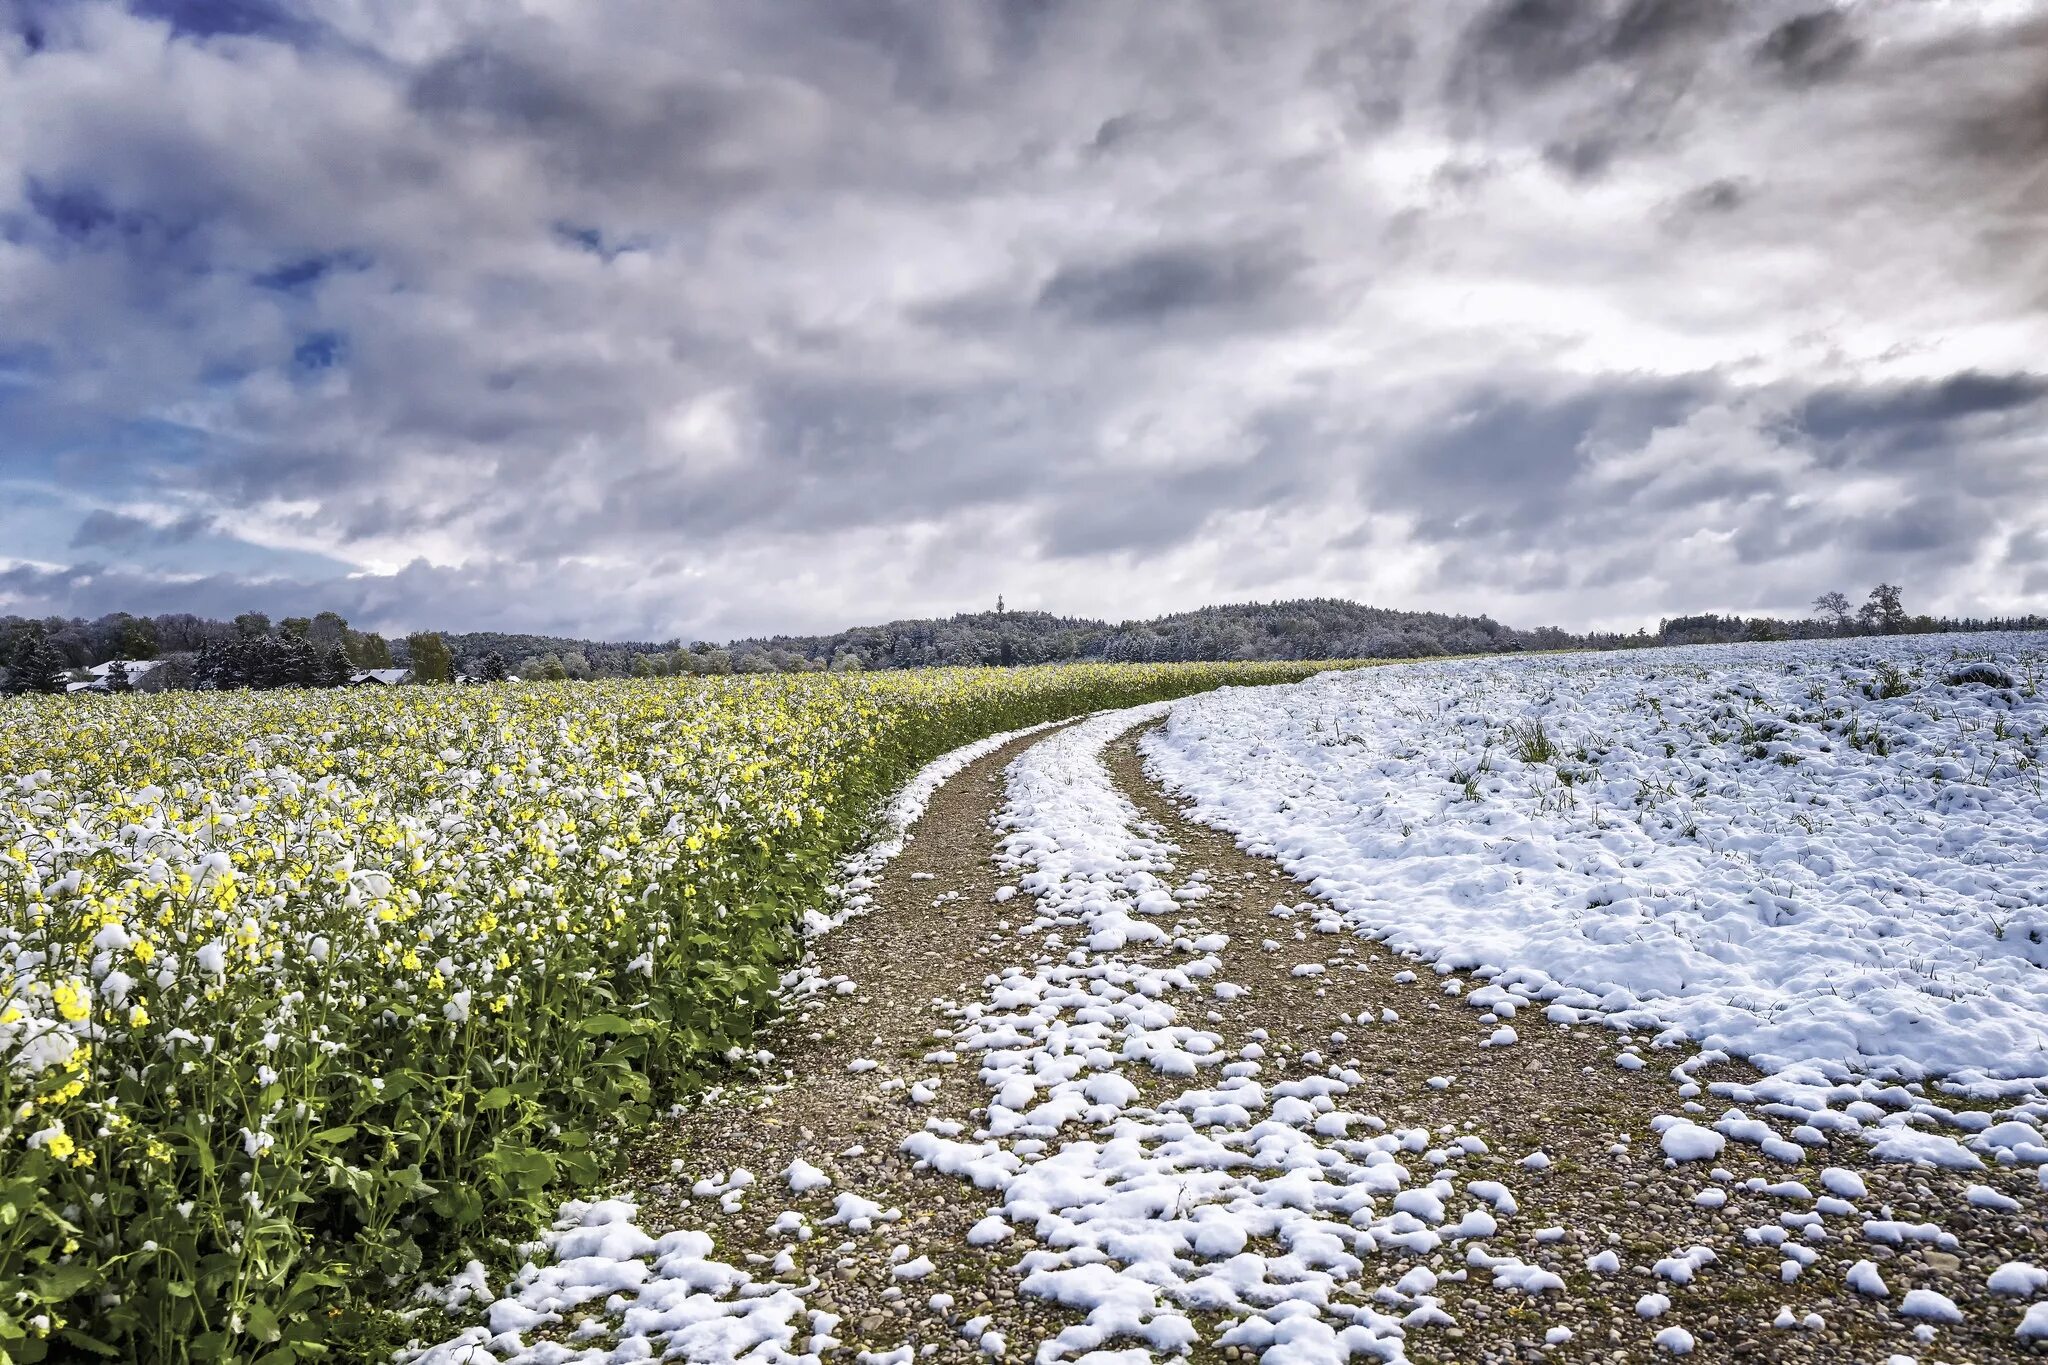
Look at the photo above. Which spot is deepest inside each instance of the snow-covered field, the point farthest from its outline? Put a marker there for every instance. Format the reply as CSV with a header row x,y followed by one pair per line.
x,y
1822,856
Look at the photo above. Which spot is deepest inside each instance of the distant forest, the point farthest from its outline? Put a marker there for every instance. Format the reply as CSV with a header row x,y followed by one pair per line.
x,y
253,651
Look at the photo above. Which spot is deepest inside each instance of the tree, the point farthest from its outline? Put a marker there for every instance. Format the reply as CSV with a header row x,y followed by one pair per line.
x,y
1883,612
575,665
327,630
847,661
292,662
369,650
431,661
492,667
333,669
642,667
137,639
173,673
251,624
219,666
36,666
1833,608
118,679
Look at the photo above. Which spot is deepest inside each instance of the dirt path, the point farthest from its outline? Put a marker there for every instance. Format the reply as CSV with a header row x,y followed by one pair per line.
x,y
866,1062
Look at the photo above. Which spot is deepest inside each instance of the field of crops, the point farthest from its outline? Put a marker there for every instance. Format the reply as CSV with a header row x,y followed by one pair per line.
x,y
306,995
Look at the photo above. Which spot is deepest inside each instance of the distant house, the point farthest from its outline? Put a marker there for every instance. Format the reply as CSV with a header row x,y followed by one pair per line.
x,y
99,673
380,677
136,668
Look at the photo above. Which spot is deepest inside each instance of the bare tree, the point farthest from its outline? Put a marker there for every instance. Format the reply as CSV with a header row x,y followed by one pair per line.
x,y
1834,608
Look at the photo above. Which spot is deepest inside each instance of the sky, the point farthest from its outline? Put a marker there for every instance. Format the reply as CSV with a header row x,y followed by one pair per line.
x,y
664,318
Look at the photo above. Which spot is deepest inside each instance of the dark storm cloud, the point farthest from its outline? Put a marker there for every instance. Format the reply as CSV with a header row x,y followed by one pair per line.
x,y
1165,283
712,134
1915,423
662,312
1935,522
1505,465
101,529
1811,47
1531,44
1714,197
214,18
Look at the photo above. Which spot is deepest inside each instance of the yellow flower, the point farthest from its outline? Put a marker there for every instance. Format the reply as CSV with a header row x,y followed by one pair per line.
x,y
72,1001
138,1016
60,1146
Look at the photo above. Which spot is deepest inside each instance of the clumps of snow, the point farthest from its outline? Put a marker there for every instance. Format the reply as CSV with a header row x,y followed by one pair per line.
x,y
1676,1340
2017,1280
1680,1269
1684,1140
1864,1279
670,1296
1837,1180
803,1177
1929,1306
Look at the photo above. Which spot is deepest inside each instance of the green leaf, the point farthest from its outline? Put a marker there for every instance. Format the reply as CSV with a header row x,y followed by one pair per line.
x,y
260,1323
62,1281
89,1343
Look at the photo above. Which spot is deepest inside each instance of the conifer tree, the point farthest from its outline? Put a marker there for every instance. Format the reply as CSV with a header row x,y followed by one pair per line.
x,y
36,666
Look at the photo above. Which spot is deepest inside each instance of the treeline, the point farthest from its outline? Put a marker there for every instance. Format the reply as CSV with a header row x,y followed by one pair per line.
x,y
1883,612
183,651
323,650
1317,628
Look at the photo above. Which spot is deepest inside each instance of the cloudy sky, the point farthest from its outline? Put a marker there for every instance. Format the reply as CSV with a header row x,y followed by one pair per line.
x,y
657,317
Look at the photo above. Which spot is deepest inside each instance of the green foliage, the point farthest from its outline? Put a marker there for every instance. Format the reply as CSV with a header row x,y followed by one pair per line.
x,y
431,660
367,650
36,665
1531,743
1889,681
